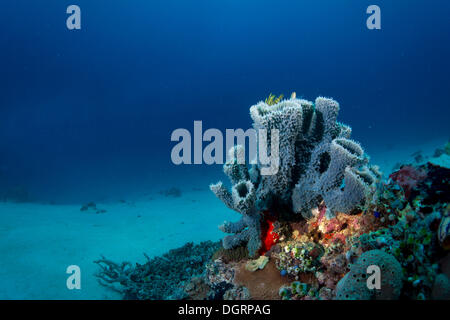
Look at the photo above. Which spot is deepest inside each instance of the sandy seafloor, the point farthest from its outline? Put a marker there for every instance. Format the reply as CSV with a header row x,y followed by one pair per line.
x,y
39,241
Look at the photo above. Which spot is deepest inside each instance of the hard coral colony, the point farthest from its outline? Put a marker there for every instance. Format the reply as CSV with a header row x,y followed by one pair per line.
x,y
312,230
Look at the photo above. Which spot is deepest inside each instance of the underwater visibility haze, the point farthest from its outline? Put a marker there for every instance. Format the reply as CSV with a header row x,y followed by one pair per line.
x,y
110,109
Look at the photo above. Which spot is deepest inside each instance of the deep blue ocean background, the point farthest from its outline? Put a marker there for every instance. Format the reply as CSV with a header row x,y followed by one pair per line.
x,y
88,114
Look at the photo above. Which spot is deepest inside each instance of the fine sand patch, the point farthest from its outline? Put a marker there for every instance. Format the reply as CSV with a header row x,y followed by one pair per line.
x,y
38,242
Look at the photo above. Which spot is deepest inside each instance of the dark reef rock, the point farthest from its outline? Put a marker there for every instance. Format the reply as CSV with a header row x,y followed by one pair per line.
x,y
172,192
92,206
435,188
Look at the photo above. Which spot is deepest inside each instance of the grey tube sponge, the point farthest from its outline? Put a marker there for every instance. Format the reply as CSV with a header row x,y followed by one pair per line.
x,y
304,195
287,117
353,194
222,193
233,227
232,241
302,126
343,153
329,110
243,194
254,174
343,184
304,199
370,174
315,152
317,161
344,131
247,230
246,236
235,168
242,199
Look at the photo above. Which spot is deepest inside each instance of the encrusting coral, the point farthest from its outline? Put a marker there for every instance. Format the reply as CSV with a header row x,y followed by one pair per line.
x,y
257,264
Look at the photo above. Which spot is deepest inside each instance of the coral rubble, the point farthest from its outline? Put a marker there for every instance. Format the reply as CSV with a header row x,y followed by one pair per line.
x,y
161,277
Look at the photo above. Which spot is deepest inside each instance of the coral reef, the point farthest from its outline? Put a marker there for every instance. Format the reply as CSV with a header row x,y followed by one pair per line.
x,y
328,258
351,218
318,229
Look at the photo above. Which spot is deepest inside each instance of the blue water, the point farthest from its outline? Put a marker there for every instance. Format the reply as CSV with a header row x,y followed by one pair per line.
x,y
88,114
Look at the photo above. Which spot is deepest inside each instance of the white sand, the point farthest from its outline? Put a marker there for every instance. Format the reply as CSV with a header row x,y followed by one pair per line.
x,y
38,242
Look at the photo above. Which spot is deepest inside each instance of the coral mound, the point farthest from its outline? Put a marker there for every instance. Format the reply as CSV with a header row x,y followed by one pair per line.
x,y
354,284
